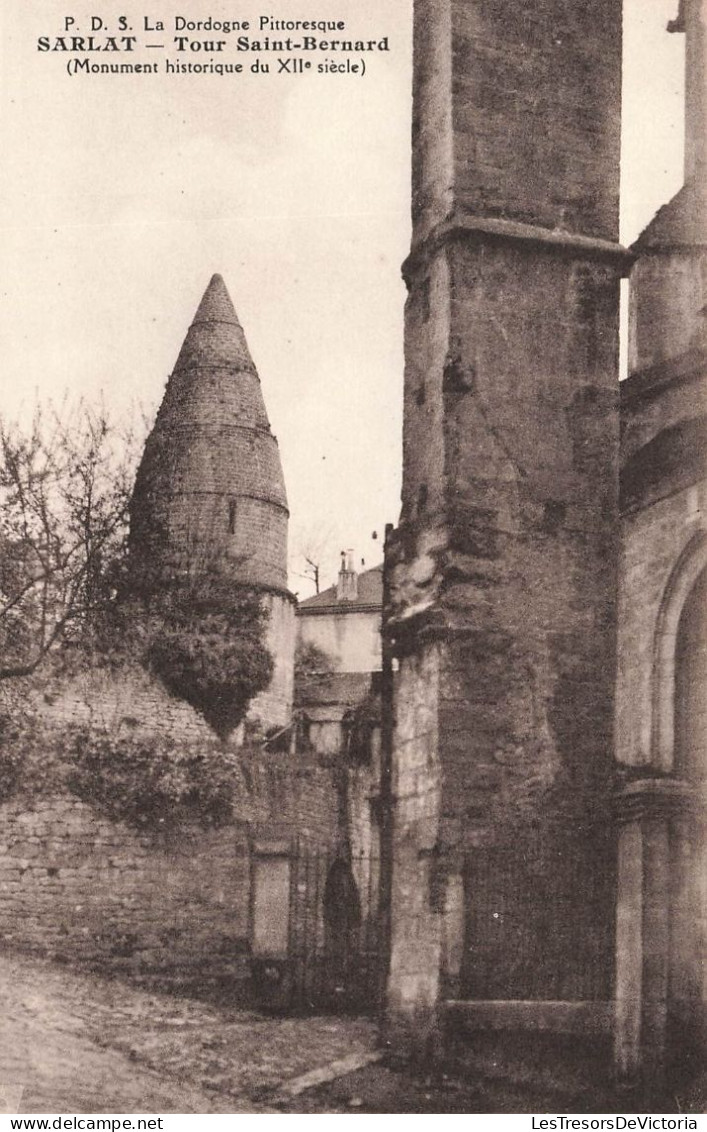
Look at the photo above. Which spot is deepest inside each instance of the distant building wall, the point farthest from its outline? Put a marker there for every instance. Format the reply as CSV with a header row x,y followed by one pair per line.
x,y
345,619
350,638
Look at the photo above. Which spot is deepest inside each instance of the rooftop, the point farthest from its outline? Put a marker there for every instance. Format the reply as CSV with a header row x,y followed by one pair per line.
x,y
341,689
369,595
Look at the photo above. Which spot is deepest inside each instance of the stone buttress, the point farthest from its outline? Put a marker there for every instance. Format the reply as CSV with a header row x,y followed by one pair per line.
x,y
503,570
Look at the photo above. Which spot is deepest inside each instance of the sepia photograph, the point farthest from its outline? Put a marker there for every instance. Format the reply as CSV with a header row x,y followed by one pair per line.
x,y
353,562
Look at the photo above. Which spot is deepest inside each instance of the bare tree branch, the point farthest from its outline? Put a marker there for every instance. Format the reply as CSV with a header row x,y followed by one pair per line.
x,y
65,483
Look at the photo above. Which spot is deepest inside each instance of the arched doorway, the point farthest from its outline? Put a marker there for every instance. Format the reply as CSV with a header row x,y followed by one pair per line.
x,y
342,932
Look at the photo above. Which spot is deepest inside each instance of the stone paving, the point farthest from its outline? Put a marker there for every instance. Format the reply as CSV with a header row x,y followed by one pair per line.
x,y
77,1043
80,1043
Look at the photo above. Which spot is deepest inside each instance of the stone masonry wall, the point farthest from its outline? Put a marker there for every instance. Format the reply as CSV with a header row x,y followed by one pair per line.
x,y
666,301
172,908
536,111
274,706
517,114
137,701
415,959
509,559
252,550
82,890
167,907
530,571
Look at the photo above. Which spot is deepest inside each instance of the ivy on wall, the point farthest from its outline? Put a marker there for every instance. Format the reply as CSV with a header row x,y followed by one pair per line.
x,y
151,782
205,651
208,648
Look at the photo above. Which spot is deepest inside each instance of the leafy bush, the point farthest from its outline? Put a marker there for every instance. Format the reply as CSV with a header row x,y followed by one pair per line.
x,y
208,648
150,782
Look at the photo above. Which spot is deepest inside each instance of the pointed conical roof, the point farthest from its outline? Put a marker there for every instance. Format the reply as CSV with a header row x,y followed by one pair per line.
x,y
216,305
215,341
216,338
211,475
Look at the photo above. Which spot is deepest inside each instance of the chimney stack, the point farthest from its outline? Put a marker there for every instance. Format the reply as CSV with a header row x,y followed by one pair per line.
x,y
347,582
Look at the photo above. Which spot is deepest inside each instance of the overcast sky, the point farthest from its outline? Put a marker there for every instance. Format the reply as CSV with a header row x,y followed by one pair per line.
x,y
121,196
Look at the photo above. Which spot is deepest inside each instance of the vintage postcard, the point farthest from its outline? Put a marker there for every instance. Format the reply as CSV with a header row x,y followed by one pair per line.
x,y
353,559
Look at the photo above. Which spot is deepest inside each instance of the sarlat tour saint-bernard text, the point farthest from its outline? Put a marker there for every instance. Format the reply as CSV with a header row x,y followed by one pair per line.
x,y
310,35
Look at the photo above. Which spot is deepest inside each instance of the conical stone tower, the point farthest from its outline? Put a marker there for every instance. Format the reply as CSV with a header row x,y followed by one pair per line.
x,y
210,494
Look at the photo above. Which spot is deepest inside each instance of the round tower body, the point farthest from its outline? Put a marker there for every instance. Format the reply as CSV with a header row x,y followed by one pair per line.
x,y
209,495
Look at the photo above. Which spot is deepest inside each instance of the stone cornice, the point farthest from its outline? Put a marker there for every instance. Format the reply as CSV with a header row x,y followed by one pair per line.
x,y
659,798
463,225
